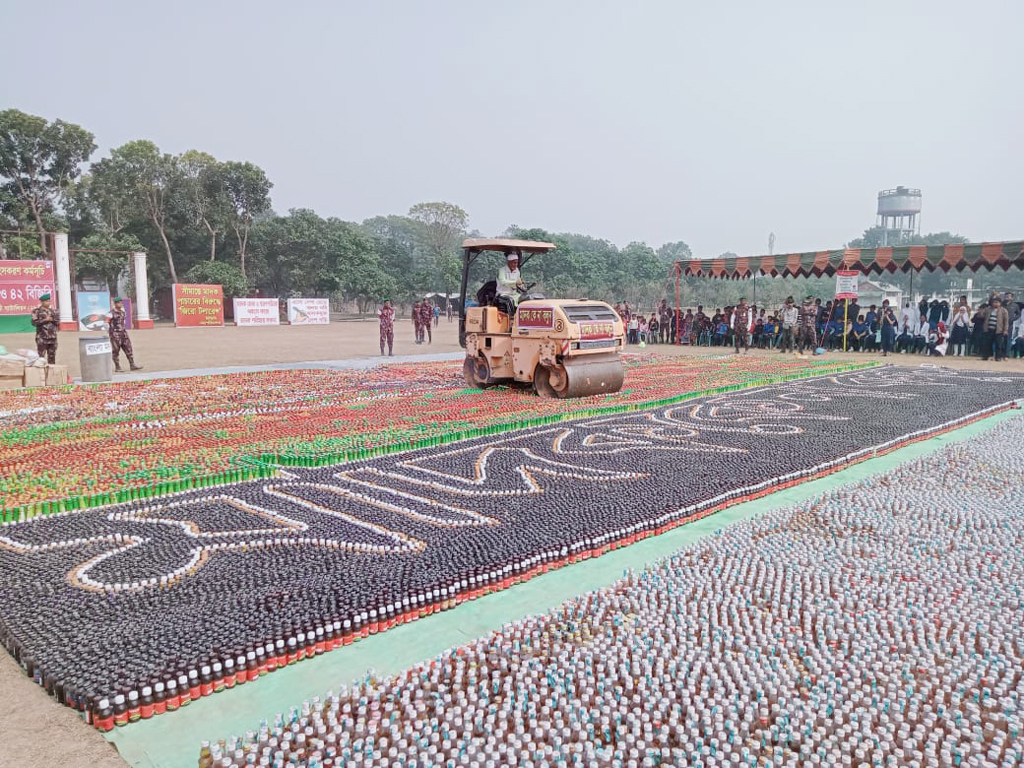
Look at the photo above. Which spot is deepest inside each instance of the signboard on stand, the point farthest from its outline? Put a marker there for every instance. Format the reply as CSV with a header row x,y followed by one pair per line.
x,y
309,311
257,312
22,282
846,284
93,309
197,306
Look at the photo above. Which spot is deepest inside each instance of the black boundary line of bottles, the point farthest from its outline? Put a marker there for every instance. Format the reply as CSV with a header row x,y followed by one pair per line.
x,y
156,697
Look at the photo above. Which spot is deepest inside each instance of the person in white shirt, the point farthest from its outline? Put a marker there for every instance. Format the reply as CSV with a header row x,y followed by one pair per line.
x,y
510,282
634,328
910,319
960,327
790,318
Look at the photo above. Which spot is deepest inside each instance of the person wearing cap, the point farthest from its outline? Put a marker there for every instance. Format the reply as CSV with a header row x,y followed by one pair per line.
x,y
510,282
46,322
118,333
386,316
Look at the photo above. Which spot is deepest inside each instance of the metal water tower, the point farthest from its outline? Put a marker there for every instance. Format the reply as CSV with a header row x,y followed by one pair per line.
x,y
899,214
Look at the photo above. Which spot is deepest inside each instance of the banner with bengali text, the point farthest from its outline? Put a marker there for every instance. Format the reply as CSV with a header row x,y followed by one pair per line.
x,y
309,311
257,311
196,306
22,282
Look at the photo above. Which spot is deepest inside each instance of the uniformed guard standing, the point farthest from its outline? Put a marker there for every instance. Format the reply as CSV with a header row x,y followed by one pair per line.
x,y
741,326
46,321
416,325
426,321
118,334
807,317
386,314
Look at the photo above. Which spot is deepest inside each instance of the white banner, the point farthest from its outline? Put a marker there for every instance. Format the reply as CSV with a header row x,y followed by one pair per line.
x,y
846,284
309,311
257,312
98,348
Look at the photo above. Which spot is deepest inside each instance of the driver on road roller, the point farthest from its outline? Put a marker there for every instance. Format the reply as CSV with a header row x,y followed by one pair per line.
x,y
510,284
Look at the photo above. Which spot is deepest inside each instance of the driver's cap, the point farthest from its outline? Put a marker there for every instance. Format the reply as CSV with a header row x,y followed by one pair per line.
x,y
512,256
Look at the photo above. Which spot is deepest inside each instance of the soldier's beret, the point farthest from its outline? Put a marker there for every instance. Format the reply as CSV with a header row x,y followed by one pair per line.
x,y
44,297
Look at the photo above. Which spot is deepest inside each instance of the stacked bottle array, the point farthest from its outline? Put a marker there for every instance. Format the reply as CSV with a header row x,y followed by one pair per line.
x,y
135,697
879,625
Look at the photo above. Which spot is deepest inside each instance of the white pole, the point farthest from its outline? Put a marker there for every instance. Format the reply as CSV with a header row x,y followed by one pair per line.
x,y
142,318
65,299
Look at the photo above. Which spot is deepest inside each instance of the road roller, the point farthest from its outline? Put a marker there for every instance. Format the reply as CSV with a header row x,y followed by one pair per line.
x,y
559,347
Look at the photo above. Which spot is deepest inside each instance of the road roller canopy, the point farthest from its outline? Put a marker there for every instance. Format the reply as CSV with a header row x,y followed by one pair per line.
x,y
474,246
478,244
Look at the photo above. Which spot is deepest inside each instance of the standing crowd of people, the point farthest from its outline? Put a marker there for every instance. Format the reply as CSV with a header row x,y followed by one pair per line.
x,y
993,329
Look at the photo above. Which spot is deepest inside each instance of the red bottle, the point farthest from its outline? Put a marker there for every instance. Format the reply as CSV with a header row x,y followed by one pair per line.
x,y
103,719
120,710
146,702
159,698
134,706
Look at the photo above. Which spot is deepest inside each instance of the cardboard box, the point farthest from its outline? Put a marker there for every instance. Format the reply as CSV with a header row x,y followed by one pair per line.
x,y
57,375
34,377
11,382
10,368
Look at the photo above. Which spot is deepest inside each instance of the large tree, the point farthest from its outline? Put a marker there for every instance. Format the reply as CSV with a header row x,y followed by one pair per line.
x,y
670,253
144,181
289,253
39,159
96,255
248,193
400,242
203,197
444,224
354,266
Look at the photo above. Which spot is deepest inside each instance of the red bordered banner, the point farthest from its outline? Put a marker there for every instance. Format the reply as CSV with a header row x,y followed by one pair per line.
x,y
590,331
22,282
536,317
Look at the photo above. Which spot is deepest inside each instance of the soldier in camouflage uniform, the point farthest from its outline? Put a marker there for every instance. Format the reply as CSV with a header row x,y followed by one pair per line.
x,y
118,333
427,320
416,325
741,326
807,318
46,321
386,315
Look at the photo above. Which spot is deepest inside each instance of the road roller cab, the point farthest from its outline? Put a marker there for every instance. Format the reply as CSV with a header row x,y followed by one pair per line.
x,y
562,347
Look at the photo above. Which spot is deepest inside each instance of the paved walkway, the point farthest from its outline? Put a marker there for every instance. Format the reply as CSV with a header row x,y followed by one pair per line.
x,y
355,363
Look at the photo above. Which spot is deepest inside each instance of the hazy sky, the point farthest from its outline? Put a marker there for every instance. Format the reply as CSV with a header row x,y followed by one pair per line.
x,y
714,123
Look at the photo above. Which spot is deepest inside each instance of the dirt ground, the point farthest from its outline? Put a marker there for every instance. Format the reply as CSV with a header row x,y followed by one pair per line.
x,y
166,348
37,731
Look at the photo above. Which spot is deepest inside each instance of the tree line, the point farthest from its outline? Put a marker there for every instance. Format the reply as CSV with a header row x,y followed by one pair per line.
x,y
207,220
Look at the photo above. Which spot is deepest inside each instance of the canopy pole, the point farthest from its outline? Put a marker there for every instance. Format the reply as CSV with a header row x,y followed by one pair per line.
x,y
678,316
846,322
